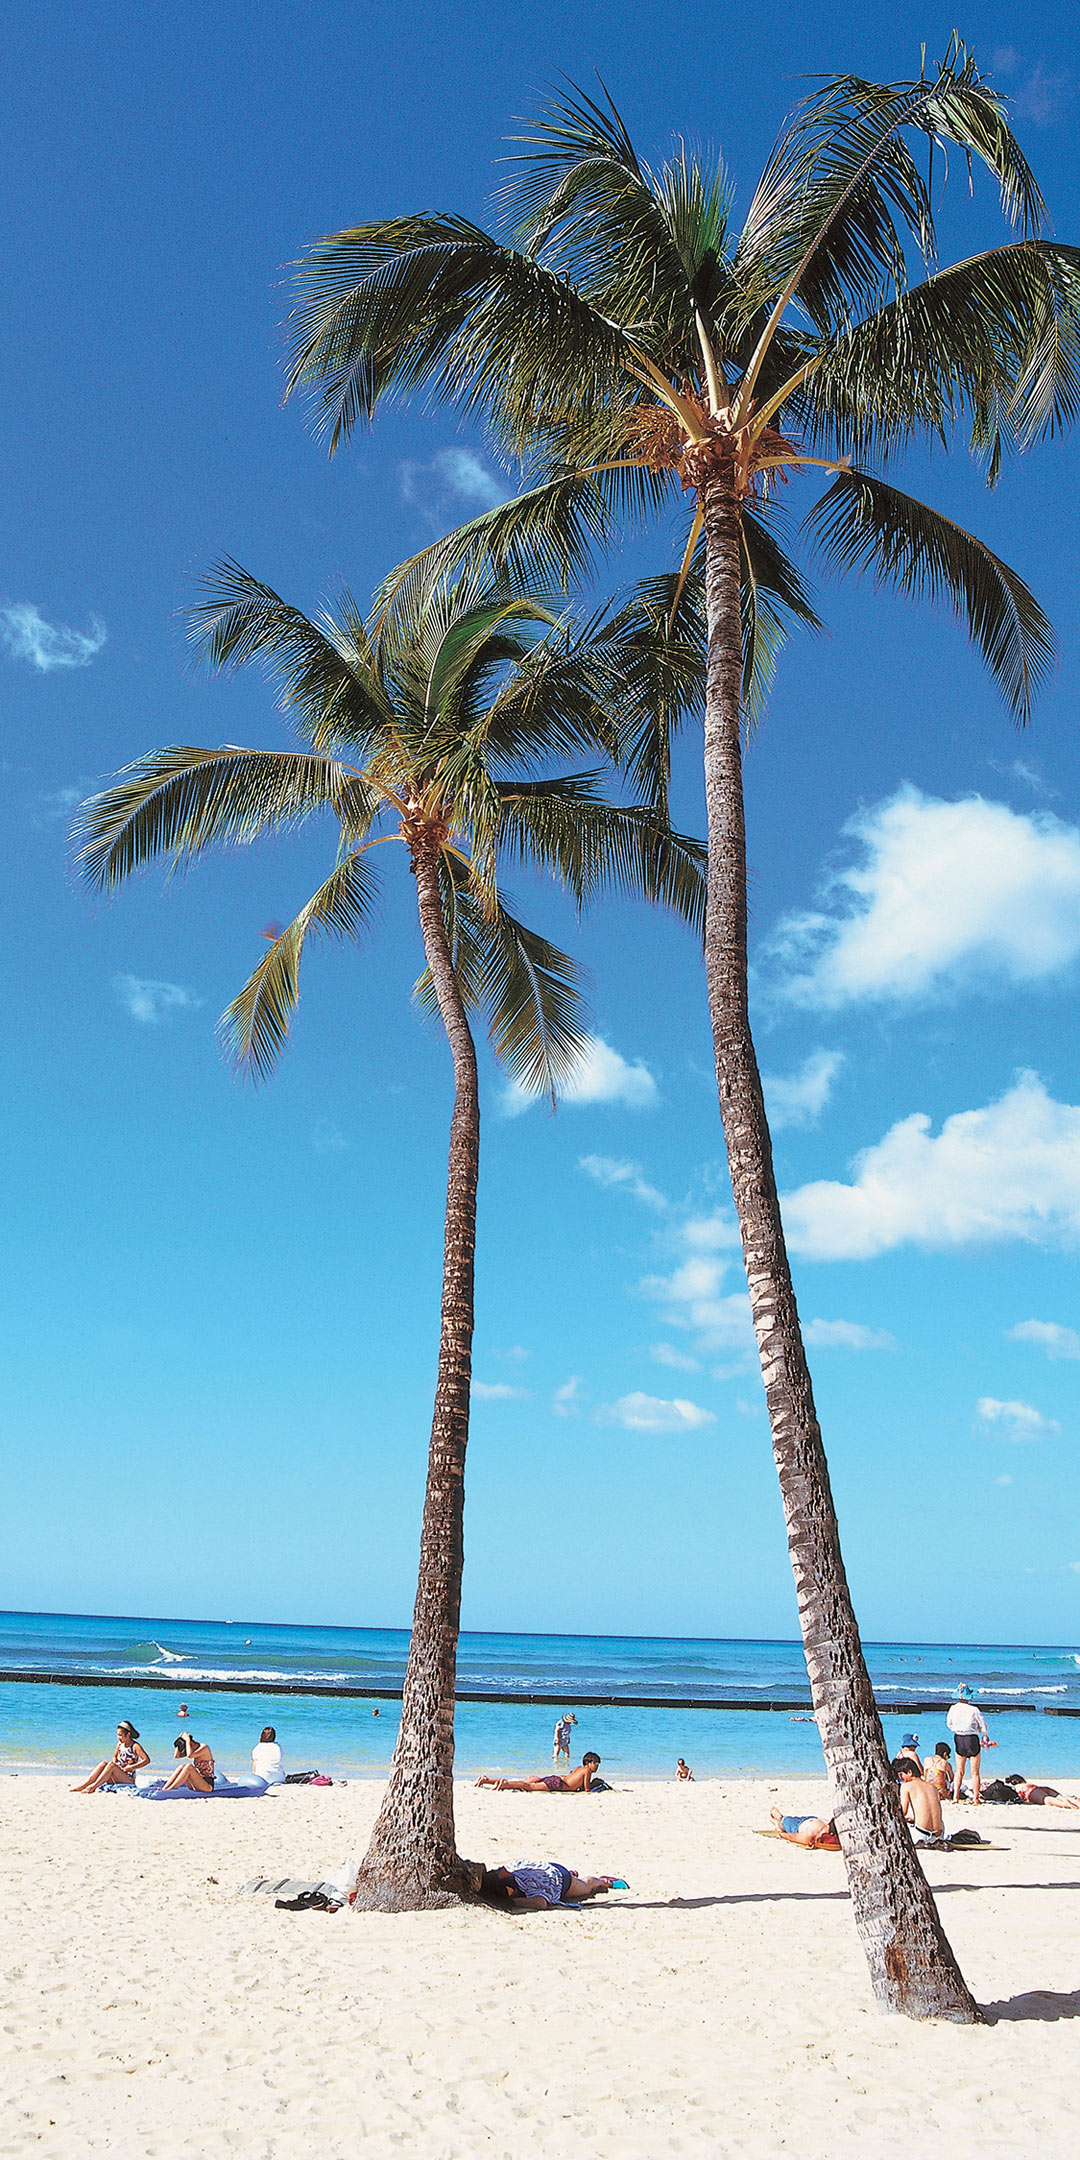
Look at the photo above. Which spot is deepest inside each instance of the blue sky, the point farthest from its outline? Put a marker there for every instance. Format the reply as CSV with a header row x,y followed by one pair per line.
x,y
218,1333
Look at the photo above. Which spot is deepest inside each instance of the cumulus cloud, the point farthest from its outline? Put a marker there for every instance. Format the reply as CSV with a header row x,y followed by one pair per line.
x,y
622,1176
455,477
650,1413
1017,1420
693,1296
942,894
800,1098
601,1075
46,645
499,1391
150,1002
1057,1341
1011,1170
567,1399
847,1335
664,1353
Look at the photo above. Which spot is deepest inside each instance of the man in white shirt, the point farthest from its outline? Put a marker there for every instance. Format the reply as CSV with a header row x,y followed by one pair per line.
x,y
968,1728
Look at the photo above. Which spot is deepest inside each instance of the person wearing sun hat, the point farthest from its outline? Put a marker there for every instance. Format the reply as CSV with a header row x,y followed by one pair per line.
x,y
909,1746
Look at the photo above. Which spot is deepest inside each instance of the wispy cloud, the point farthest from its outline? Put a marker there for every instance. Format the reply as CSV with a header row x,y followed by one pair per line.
x,y
328,1138
27,636
515,1355
567,1399
1057,1341
800,1097
1016,1420
665,1353
1004,1479
1041,95
650,1413
499,1391
693,1297
847,1335
455,477
624,1177
943,894
1010,1170
602,1075
55,807
150,1002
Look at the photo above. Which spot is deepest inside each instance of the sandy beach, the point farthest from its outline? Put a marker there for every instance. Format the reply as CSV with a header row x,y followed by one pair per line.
x,y
719,2006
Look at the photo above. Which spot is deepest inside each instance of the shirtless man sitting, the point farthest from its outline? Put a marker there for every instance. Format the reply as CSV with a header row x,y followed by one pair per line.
x,y
809,1830
920,1801
579,1780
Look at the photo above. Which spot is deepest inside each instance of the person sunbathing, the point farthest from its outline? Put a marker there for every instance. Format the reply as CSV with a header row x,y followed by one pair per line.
x,y
1039,1795
809,1830
195,1768
579,1780
534,1887
127,1756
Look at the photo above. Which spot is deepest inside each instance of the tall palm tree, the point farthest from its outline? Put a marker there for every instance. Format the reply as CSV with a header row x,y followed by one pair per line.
x,y
623,341
439,733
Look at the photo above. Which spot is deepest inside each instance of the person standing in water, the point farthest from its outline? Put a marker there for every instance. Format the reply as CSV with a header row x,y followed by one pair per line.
x,y
968,1728
560,1744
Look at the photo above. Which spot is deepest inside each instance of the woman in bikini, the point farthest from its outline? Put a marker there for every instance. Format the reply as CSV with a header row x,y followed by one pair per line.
x,y
196,1768
127,1757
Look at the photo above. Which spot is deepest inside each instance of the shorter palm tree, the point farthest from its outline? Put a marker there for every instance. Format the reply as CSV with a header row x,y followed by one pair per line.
x,y
436,731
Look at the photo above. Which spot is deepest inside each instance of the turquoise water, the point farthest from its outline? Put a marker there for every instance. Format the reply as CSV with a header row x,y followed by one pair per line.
x,y
62,1727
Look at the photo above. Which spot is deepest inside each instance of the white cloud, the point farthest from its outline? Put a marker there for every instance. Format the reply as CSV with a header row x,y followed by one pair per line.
x,y
454,476
567,1399
600,1076
1004,1479
711,1233
1074,1565
499,1391
847,1335
944,893
649,1413
59,804
1018,1421
1011,1170
328,1139
694,1297
664,1353
515,1355
27,635
626,1176
1058,1342
801,1097
149,1001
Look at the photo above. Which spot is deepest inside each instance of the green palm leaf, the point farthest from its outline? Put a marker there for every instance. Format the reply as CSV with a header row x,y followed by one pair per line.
x,y
529,990
256,1025
178,801
327,671
862,523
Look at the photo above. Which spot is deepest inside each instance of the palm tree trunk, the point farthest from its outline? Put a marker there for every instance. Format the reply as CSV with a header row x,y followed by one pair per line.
x,y
912,1968
412,1860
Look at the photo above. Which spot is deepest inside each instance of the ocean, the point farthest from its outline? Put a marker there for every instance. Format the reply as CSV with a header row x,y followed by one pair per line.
x,y
60,1728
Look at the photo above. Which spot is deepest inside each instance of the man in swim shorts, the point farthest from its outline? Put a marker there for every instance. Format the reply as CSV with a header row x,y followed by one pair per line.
x,y
575,1780
809,1830
920,1802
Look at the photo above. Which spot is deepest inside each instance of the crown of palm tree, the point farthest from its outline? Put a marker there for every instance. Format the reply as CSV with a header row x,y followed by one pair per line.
x,y
623,338
438,730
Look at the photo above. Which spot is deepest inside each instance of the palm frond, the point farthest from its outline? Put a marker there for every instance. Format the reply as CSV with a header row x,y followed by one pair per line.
x,y
178,801
539,541
326,671
529,990
651,662
862,523
774,595
256,1025
595,846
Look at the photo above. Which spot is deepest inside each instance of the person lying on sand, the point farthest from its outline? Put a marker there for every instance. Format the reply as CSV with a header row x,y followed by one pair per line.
x,y
575,1780
810,1830
127,1757
532,1888
196,1767
920,1802
1039,1795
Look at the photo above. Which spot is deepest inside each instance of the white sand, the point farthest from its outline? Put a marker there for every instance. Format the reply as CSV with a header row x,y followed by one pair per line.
x,y
721,2006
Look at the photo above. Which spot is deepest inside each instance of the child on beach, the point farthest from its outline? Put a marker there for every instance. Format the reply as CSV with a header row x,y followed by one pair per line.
x,y
683,1772
127,1756
534,1887
574,1781
937,1770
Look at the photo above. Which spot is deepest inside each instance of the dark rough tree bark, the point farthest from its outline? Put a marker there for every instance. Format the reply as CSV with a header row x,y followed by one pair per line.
x,y
412,1860
911,1964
